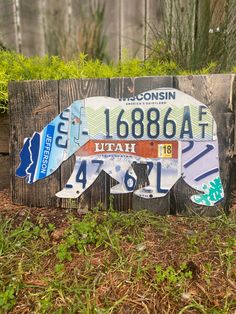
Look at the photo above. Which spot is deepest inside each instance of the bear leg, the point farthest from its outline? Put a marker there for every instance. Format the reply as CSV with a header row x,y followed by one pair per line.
x,y
200,170
86,171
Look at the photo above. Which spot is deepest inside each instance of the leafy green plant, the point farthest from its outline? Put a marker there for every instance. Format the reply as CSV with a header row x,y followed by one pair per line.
x,y
193,242
63,253
171,276
95,229
16,67
59,268
7,298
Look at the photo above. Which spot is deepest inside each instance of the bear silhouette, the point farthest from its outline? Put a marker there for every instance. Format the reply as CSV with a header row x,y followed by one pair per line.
x,y
174,134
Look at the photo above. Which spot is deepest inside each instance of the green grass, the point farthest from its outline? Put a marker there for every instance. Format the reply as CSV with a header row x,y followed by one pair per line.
x,y
112,262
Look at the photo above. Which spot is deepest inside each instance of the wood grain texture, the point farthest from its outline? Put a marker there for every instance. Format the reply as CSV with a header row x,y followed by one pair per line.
x,y
154,24
4,133
49,26
79,15
215,91
234,109
111,29
32,36
57,28
132,35
33,105
69,91
127,87
4,172
7,24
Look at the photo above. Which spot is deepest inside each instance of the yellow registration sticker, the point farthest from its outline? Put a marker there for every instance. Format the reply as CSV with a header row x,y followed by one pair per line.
x,y
164,150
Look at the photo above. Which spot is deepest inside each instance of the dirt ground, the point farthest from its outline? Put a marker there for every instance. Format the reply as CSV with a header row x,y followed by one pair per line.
x,y
56,216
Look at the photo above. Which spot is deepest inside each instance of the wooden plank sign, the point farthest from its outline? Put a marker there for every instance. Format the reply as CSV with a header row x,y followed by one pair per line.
x,y
39,99
171,132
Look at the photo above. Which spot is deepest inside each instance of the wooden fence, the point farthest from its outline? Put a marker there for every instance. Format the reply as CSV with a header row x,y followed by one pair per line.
x,y
57,26
33,104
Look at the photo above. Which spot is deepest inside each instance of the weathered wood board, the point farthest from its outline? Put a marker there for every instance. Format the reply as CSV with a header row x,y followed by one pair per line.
x,y
132,36
4,133
112,29
154,24
32,105
215,91
69,91
54,27
57,23
8,24
33,39
4,172
4,152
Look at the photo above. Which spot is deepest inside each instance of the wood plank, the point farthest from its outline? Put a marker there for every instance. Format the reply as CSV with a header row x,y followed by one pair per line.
x,y
132,28
42,103
7,24
112,29
32,33
5,172
234,97
202,26
218,11
32,104
89,28
79,8
71,90
57,28
179,25
4,133
127,87
215,91
154,24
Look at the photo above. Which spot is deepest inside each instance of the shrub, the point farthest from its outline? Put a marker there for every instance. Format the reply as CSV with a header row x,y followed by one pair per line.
x,y
16,67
